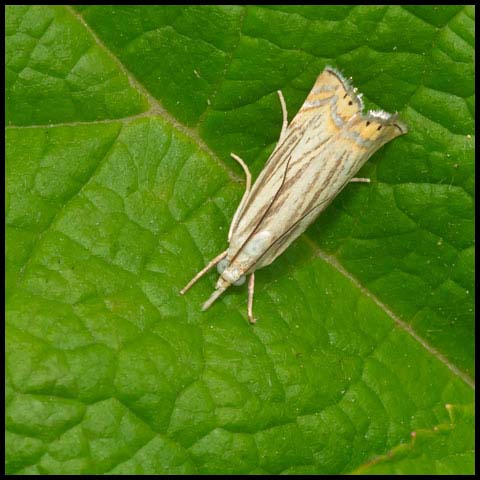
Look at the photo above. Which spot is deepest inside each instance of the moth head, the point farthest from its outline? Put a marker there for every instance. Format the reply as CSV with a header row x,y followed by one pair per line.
x,y
222,265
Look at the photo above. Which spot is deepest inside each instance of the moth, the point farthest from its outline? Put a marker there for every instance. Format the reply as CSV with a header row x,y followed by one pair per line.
x,y
317,154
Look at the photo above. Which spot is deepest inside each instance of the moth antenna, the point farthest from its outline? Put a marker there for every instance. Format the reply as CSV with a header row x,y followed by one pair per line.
x,y
213,297
203,271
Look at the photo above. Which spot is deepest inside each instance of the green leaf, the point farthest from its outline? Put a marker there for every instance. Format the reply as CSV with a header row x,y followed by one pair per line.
x,y
57,72
443,449
120,188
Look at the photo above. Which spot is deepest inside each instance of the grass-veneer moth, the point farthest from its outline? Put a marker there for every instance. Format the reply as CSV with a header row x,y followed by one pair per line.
x,y
317,154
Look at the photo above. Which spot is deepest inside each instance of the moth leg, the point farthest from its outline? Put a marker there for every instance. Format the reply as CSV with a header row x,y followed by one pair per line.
x,y
360,180
204,270
284,113
251,286
248,175
248,179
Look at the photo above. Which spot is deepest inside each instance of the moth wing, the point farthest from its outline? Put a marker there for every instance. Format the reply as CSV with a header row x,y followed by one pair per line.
x,y
325,176
331,93
315,115
324,146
